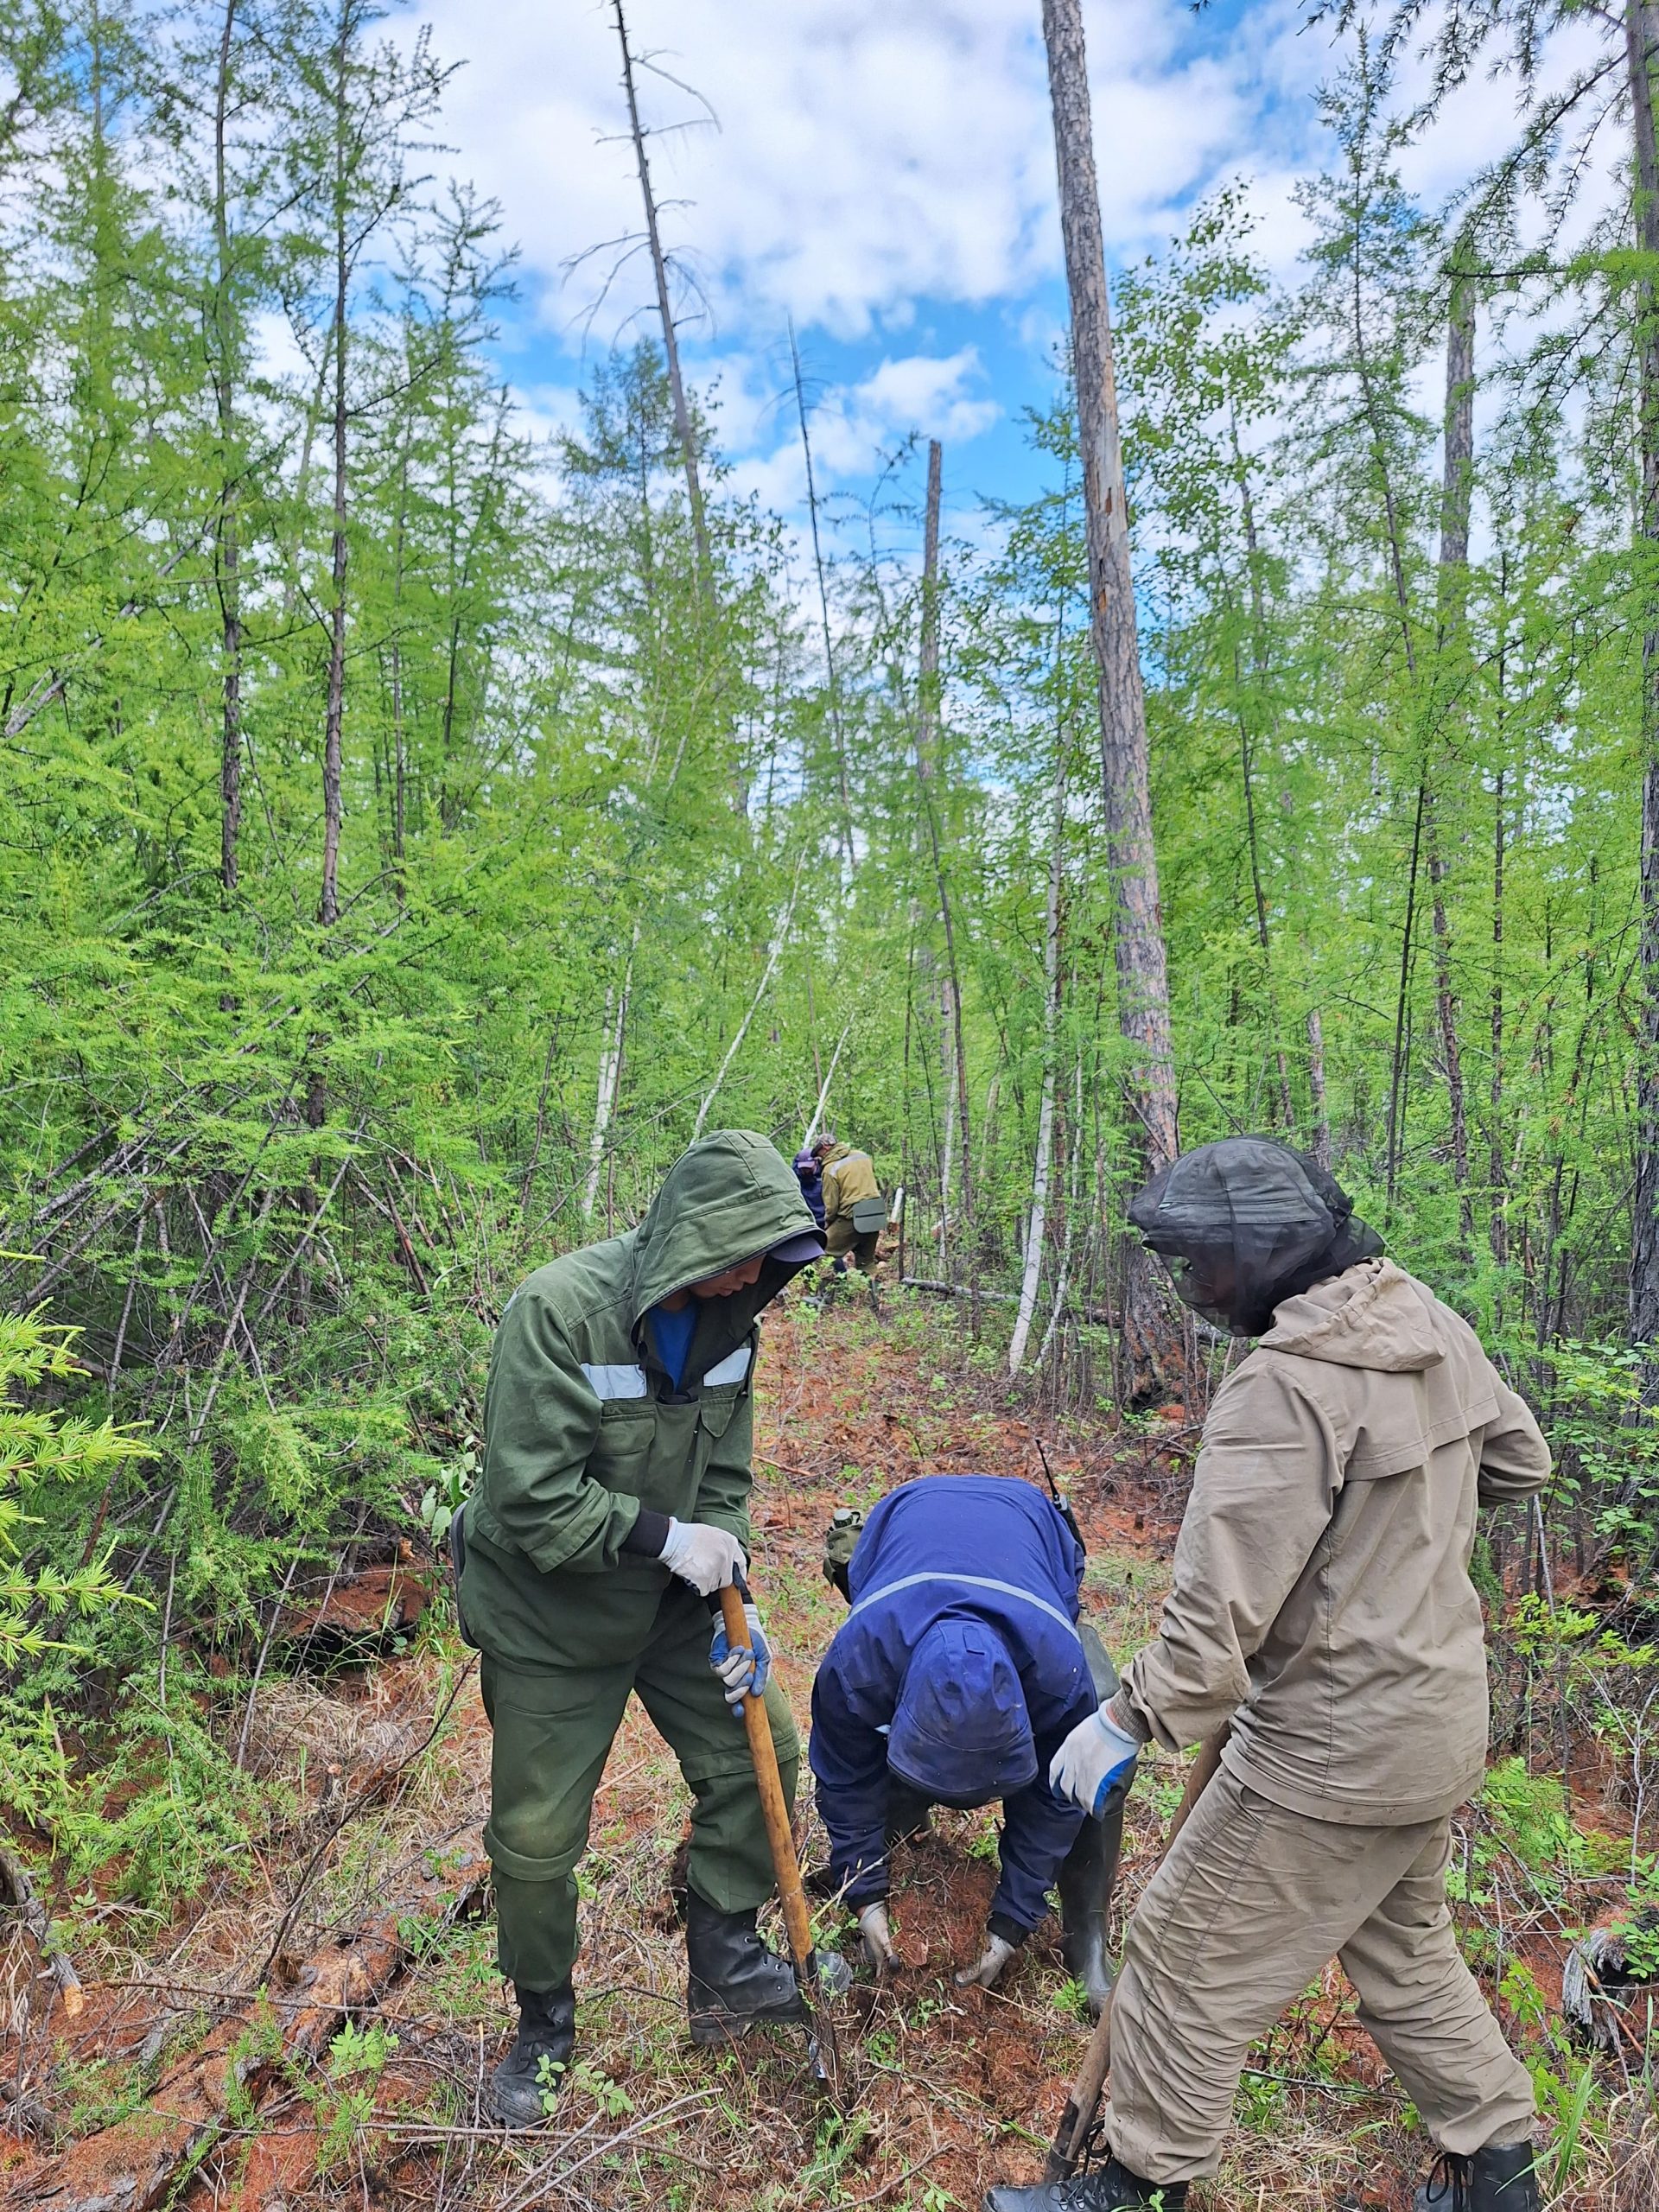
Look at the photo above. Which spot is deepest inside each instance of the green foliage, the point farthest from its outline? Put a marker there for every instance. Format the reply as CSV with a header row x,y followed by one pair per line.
x,y
45,1453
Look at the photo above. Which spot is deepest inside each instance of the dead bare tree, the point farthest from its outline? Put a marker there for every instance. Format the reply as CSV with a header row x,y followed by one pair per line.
x,y
927,746
683,428
1142,981
836,728
1138,933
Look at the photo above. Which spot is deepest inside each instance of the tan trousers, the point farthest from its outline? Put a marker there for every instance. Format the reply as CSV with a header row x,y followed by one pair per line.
x,y
1251,1904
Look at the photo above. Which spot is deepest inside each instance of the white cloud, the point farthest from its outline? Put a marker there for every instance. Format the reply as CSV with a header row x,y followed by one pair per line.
x,y
869,155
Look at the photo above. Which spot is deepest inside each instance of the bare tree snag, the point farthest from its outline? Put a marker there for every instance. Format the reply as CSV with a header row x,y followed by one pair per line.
x,y
927,747
671,344
328,905
226,546
839,733
1138,941
1642,33
1453,587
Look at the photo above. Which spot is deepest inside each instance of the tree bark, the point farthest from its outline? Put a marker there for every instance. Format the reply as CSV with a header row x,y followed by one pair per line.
x,y
665,308
1452,583
329,906
1037,1223
1642,32
837,729
1138,938
226,548
927,741
1316,1088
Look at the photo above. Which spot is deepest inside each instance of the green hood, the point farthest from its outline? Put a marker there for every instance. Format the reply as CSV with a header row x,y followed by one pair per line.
x,y
730,1196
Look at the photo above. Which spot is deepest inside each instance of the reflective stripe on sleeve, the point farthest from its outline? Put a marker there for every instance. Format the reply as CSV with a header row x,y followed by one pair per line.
x,y
970,1582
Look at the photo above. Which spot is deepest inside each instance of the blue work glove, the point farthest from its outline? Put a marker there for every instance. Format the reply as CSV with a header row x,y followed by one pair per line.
x,y
1094,1756
745,1671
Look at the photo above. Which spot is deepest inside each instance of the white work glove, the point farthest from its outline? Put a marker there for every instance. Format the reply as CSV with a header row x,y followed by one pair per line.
x,y
744,1669
706,1557
878,1937
988,1966
1094,1756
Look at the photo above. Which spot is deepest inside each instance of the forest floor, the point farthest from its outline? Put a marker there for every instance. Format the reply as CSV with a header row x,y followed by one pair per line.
x,y
319,2028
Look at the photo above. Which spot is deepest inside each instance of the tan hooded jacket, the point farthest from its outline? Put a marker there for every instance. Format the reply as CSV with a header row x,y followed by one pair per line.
x,y
1322,1570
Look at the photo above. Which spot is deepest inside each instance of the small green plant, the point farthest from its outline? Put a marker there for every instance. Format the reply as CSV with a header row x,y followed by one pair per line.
x,y
1073,1999
357,2059
442,1500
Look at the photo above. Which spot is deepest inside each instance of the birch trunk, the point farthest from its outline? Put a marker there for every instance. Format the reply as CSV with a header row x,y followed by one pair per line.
x,y
1138,938
605,1090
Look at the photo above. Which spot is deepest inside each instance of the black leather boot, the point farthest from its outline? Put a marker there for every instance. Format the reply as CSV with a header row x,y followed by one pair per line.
x,y
734,1983
1110,2187
1084,1883
1493,2180
546,2029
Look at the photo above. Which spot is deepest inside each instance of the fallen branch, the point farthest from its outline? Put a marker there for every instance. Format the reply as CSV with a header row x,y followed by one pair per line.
x,y
16,1878
137,2164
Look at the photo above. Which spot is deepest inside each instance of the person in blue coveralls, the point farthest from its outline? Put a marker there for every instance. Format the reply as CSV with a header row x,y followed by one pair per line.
x,y
959,1671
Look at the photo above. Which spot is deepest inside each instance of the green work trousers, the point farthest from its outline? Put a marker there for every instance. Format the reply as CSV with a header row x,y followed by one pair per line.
x,y
841,1241
553,1733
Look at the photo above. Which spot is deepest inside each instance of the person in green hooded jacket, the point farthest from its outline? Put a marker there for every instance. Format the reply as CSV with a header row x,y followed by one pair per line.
x,y
612,1506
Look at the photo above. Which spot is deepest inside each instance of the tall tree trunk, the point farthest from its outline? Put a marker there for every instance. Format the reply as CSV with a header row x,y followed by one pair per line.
x,y
1316,1088
1247,752
226,550
837,729
1453,587
1138,939
1642,33
610,1070
927,746
665,308
1037,1224
328,908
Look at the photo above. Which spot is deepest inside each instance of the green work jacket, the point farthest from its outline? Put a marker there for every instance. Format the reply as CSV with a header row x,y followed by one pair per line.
x,y
584,1428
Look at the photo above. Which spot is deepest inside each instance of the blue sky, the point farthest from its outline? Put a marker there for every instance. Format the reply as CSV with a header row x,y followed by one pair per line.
x,y
883,172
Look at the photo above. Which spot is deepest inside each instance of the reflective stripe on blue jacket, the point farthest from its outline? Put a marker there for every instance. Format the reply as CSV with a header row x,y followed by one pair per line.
x,y
980,1546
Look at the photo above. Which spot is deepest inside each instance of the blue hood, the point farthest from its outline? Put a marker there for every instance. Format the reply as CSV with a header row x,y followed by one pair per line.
x,y
960,1730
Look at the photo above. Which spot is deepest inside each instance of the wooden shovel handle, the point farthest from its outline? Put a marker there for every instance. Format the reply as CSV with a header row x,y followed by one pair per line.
x,y
797,1919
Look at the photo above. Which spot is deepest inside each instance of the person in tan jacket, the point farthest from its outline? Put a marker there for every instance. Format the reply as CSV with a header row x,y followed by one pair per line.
x,y
848,1180
1322,1606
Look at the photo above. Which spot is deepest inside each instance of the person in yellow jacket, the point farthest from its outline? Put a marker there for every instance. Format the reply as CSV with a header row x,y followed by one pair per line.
x,y
851,1197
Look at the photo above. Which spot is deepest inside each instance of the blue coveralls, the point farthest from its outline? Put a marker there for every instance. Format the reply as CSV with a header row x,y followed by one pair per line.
x,y
973,1547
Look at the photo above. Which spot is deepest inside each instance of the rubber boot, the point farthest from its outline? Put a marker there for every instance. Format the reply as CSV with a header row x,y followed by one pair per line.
x,y
1496,2179
546,2029
734,1983
1110,2187
1084,1883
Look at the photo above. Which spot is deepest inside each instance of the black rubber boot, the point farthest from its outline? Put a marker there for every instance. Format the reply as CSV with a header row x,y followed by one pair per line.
x,y
1084,1883
546,2029
910,1811
1110,2187
1493,2180
733,1983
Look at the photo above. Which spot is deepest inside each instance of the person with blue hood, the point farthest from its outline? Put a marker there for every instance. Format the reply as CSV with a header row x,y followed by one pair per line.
x,y
810,1176
960,1668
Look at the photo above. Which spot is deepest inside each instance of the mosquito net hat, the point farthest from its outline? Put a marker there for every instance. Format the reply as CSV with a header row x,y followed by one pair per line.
x,y
1246,1223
